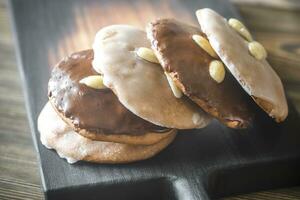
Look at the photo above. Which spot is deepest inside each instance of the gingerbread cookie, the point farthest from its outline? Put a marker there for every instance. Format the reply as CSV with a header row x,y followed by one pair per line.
x,y
132,72
185,54
56,134
246,60
96,113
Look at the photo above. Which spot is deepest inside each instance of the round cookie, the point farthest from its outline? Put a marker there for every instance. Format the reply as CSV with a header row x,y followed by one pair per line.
x,y
140,85
257,77
56,134
96,113
188,64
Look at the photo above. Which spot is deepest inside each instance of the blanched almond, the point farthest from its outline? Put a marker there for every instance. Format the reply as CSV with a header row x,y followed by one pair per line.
x,y
147,54
176,91
240,28
205,45
217,70
94,81
257,50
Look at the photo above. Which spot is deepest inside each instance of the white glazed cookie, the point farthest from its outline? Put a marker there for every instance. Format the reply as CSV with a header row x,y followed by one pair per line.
x,y
256,76
56,134
140,85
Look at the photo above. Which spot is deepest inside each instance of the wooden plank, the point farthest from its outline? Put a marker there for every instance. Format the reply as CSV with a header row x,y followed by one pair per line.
x,y
19,176
67,26
16,109
281,4
16,189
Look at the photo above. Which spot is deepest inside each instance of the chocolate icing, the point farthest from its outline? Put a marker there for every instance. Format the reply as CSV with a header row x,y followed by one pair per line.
x,y
189,65
96,110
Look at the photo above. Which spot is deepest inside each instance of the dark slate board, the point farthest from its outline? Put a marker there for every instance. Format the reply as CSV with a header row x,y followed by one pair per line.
x,y
209,163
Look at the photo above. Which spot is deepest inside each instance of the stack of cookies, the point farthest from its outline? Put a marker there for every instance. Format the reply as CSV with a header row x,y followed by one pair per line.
x,y
125,99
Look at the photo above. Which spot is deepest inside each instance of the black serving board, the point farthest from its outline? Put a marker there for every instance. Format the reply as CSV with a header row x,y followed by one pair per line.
x,y
207,163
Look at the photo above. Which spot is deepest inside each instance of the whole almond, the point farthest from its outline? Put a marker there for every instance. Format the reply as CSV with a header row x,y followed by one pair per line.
x,y
94,81
217,70
176,91
240,28
205,45
147,54
257,50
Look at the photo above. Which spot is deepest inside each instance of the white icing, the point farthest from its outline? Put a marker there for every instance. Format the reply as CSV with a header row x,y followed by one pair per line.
x,y
141,86
69,159
96,64
51,127
256,76
45,143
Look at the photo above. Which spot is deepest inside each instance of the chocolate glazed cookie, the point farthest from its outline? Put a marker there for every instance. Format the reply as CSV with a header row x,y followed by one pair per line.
x,y
56,134
140,84
96,113
188,65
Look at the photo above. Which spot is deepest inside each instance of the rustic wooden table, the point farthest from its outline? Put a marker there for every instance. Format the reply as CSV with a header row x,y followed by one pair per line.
x,y
275,25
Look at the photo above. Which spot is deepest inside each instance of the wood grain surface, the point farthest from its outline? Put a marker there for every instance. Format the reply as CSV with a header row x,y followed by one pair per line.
x,y
278,29
19,175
